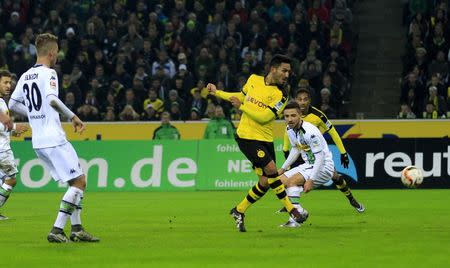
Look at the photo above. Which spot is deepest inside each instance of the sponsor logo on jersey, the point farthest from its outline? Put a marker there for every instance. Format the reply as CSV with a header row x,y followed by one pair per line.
x,y
256,102
260,153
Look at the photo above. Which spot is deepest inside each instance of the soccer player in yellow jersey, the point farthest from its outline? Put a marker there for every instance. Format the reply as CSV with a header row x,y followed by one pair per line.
x,y
316,117
261,101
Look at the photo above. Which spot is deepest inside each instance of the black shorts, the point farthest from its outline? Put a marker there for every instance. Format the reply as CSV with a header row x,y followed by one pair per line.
x,y
260,153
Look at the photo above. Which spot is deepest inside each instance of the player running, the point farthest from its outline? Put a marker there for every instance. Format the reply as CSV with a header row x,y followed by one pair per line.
x,y
261,100
36,95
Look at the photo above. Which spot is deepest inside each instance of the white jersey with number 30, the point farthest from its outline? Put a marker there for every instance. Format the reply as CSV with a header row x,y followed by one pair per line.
x,y
32,89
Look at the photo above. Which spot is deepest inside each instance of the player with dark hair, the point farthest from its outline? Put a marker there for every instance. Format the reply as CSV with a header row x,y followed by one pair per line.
x,y
8,166
261,101
317,118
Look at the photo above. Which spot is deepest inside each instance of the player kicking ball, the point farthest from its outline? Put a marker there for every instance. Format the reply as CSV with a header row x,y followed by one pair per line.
x,y
36,96
306,141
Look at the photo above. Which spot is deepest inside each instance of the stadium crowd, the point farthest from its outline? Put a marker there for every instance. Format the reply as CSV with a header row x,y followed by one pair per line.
x,y
425,91
135,59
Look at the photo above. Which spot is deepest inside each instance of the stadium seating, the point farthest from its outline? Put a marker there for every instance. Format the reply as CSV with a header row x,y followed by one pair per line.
x,y
113,53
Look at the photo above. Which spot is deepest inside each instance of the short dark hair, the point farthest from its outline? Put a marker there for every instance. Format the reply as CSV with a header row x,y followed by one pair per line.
x,y
292,105
5,73
278,59
303,90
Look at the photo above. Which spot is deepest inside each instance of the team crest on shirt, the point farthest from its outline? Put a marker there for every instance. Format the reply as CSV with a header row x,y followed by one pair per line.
x,y
52,84
260,153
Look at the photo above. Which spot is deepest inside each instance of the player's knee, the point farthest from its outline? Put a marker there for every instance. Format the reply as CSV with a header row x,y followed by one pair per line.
x,y
263,181
291,183
11,181
79,182
337,179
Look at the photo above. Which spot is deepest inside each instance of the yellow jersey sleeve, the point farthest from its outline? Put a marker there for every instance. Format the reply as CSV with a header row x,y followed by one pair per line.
x,y
227,95
337,140
326,126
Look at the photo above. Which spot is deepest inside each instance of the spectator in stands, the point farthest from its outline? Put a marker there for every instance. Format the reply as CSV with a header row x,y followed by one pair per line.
x,y
156,104
150,113
438,102
436,81
166,131
140,45
131,100
409,84
70,102
216,27
89,111
195,114
430,111
69,87
341,13
405,112
219,127
15,26
128,114
319,10
210,110
165,62
176,113
28,50
439,65
109,104
414,103
198,102
174,97
110,115
327,104
280,7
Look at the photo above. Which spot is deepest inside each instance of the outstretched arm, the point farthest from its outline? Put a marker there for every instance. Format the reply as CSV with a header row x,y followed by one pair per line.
x,y
224,95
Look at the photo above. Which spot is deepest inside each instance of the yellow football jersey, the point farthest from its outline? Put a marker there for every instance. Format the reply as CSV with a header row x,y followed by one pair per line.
x,y
261,105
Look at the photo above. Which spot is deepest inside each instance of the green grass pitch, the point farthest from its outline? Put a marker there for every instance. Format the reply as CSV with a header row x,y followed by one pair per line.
x,y
400,228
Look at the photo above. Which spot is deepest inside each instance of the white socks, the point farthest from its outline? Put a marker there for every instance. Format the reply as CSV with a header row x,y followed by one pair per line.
x,y
5,191
294,195
69,203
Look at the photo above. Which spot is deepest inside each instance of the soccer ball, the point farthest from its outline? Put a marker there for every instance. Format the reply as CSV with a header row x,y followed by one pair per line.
x,y
412,176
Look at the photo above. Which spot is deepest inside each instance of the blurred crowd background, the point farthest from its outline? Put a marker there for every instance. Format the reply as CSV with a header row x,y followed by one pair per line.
x,y
133,59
